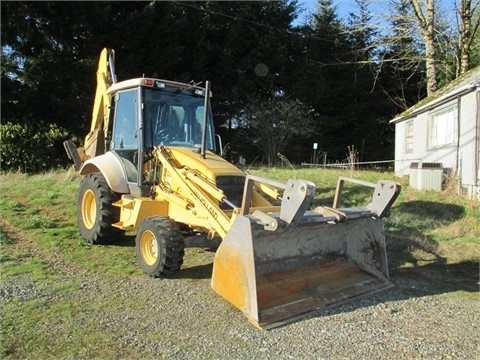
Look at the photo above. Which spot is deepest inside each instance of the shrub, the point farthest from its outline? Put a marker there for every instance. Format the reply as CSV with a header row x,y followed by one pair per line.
x,y
32,148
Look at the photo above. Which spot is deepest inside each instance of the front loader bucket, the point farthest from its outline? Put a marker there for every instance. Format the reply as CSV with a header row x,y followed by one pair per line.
x,y
276,277
280,274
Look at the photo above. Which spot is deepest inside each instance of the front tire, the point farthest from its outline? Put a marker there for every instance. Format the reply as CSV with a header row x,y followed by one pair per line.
x,y
95,212
159,246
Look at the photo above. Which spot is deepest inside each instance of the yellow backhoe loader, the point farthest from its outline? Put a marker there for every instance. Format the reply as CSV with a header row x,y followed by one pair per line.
x,y
150,166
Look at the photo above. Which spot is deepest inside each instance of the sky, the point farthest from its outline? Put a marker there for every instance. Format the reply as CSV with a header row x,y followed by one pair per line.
x,y
380,8
345,7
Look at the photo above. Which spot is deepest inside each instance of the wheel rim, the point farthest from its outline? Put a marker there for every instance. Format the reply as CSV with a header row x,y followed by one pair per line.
x,y
89,209
149,247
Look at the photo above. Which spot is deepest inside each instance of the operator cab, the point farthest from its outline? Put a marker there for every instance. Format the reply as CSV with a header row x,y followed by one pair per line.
x,y
175,119
148,113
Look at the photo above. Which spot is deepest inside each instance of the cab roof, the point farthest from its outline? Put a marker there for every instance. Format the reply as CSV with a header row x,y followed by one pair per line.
x,y
150,82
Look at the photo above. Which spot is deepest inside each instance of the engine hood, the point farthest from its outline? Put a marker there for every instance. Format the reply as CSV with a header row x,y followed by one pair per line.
x,y
211,166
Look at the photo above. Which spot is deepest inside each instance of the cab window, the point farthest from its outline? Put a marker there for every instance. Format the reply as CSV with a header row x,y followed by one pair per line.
x,y
125,123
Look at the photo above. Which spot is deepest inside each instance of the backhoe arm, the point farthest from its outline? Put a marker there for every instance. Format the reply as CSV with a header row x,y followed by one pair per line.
x,y
95,140
105,77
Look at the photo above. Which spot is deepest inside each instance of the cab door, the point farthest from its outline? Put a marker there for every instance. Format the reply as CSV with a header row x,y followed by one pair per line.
x,y
125,133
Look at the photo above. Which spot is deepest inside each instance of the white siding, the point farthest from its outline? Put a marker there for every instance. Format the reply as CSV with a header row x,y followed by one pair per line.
x,y
468,139
466,150
457,148
446,155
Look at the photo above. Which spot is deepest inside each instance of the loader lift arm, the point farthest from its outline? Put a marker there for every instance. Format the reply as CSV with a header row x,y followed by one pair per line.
x,y
196,201
203,196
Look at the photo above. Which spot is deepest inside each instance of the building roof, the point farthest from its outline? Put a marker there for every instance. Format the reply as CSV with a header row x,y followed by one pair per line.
x,y
463,84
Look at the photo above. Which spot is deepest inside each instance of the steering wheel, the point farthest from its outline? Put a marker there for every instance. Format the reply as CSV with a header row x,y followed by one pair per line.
x,y
162,136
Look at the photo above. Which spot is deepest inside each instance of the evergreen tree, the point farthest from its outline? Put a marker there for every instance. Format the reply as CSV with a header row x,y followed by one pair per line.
x,y
325,80
366,106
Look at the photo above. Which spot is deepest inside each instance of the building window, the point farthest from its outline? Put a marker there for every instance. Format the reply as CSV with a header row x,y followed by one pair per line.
x,y
442,127
409,137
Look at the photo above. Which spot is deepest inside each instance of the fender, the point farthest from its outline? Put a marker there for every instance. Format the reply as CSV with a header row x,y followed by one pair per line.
x,y
111,168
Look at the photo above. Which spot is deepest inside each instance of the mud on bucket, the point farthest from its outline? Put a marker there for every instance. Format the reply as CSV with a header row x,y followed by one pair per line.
x,y
276,277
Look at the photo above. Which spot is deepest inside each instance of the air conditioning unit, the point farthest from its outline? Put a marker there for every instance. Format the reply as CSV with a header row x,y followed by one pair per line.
x,y
426,176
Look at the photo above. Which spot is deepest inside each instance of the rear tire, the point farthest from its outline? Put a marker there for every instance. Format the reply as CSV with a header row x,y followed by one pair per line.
x,y
95,212
159,246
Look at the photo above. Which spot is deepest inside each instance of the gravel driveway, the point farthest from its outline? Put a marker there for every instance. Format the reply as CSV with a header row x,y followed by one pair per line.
x,y
182,318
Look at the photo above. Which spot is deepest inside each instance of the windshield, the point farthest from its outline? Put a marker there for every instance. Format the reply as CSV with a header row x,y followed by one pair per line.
x,y
174,117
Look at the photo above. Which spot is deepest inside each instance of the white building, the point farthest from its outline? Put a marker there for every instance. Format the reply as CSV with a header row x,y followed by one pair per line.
x,y
442,132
